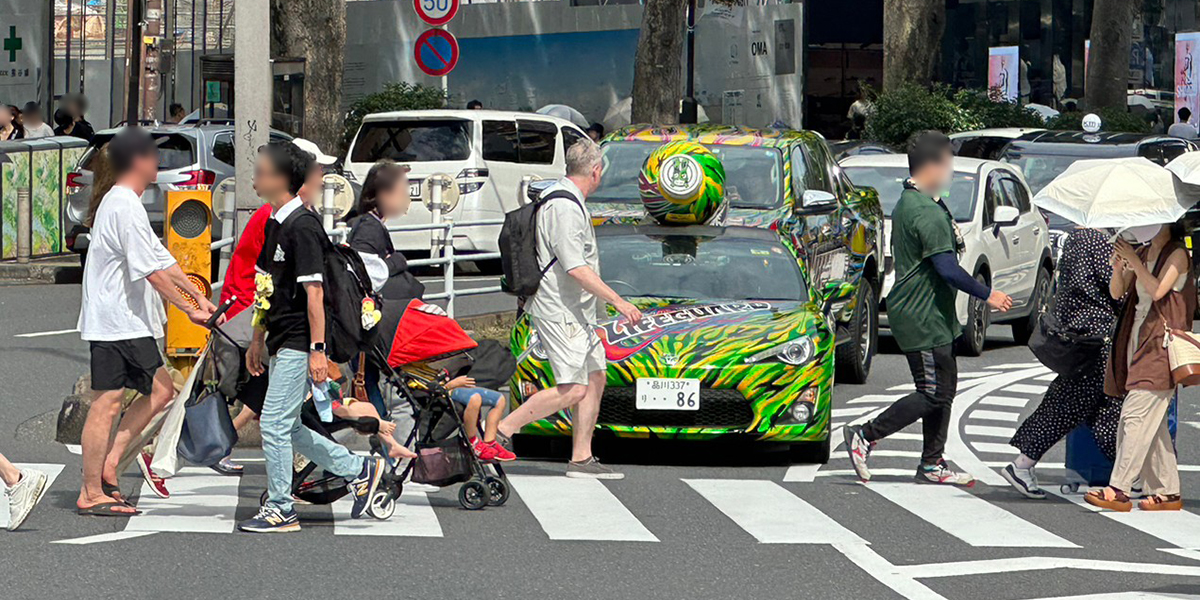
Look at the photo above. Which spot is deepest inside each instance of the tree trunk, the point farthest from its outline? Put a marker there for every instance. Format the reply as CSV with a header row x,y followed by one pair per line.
x,y
1108,60
912,41
314,30
657,69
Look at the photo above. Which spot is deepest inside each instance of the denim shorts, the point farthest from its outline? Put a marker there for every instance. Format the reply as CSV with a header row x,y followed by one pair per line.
x,y
489,398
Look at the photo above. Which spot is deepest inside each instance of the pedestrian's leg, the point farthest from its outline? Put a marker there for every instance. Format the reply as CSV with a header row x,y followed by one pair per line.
x,y
281,411
935,426
1161,472
243,418
136,417
1062,409
1105,422
104,410
1134,437
494,415
910,408
583,420
541,405
9,473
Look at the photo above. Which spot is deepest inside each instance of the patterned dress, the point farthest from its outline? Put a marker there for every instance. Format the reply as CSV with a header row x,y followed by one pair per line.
x,y
1083,305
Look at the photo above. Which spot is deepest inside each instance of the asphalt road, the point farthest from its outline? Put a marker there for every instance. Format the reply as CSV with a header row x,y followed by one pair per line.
x,y
694,521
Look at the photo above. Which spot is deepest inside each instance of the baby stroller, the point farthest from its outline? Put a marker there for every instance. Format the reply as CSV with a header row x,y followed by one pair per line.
x,y
425,336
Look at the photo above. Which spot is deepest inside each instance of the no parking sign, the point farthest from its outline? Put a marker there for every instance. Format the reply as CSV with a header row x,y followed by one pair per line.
x,y
436,52
436,12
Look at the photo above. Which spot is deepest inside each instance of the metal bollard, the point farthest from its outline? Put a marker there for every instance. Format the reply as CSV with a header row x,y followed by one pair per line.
x,y
24,225
327,208
435,202
448,268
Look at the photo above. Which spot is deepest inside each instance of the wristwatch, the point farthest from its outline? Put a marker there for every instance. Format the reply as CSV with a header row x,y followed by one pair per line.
x,y
317,347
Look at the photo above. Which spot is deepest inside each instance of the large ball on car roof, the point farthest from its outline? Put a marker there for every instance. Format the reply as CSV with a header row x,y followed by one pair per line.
x,y
682,183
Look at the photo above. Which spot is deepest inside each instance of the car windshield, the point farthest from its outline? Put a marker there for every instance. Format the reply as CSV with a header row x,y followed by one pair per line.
x,y
889,182
175,151
1040,169
753,176
700,268
422,140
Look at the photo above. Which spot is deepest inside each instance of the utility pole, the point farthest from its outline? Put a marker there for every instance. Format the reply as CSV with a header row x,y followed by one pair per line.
x,y
151,71
133,64
689,112
251,96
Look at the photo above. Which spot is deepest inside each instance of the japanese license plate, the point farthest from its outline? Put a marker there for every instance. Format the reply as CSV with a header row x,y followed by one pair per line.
x,y
414,188
655,393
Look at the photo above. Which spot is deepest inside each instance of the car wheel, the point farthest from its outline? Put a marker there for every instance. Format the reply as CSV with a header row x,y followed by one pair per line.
x,y
811,452
978,318
854,357
1023,329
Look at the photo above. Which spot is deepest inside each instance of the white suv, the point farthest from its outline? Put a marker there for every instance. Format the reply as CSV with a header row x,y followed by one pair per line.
x,y
1007,242
488,152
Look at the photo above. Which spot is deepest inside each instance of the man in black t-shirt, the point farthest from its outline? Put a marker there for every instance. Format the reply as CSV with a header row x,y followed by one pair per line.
x,y
290,327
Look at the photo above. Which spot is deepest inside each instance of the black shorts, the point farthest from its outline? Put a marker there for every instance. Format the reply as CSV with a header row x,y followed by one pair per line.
x,y
253,392
125,364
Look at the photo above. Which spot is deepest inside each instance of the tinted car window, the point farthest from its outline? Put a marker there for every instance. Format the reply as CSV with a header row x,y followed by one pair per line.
x,y
889,182
981,147
537,140
1016,194
500,141
222,149
570,136
818,172
413,141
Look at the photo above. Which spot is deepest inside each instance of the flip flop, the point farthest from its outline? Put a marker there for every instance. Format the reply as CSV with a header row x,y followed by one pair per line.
x,y
112,491
106,509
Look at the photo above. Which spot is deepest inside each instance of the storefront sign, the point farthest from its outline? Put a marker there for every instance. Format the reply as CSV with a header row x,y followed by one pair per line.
x,y
1187,73
1004,73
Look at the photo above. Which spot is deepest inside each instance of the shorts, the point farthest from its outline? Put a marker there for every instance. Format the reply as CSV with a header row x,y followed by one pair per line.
x,y
489,398
574,350
253,392
125,364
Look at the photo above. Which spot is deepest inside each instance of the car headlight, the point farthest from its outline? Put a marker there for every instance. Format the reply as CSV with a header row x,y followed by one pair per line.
x,y
795,352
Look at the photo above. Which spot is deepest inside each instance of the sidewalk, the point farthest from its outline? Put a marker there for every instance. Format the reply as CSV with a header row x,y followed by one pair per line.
x,y
63,268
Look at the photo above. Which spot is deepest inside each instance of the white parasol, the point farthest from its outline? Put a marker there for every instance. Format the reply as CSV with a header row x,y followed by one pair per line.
x,y
563,111
1187,167
1117,193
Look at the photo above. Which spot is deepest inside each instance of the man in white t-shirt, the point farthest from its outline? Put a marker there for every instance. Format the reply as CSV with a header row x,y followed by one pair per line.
x,y
127,276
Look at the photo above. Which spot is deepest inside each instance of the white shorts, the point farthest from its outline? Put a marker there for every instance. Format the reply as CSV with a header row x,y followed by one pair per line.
x,y
574,350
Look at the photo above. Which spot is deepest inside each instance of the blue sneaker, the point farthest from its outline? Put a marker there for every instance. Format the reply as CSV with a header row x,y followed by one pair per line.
x,y
271,520
364,486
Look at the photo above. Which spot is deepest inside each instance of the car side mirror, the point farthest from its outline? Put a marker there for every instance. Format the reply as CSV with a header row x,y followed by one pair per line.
x,y
816,199
1004,216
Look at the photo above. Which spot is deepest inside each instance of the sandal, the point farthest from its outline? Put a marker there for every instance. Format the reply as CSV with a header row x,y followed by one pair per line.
x,y
113,491
1109,497
107,509
1162,502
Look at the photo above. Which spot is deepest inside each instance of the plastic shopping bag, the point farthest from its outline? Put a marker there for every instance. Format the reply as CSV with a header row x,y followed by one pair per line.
x,y
166,454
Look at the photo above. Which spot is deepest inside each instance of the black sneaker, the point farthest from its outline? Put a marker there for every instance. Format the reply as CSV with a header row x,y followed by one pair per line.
x,y
271,520
364,486
1023,480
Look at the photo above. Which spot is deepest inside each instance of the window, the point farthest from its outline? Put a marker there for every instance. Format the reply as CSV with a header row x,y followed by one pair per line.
x,y
799,172
537,140
222,148
423,140
1016,194
993,198
818,173
571,135
500,141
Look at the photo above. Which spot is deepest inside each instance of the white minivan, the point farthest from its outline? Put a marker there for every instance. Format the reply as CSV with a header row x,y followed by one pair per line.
x,y
487,151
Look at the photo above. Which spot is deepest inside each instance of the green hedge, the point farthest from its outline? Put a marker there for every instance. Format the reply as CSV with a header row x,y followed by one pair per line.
x,y
1111,119
395,96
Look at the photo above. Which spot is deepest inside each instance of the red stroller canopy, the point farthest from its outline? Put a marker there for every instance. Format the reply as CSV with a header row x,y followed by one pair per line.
x,y
426,333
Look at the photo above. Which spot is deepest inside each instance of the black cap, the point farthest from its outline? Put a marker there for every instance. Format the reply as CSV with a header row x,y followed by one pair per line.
x,y
128,144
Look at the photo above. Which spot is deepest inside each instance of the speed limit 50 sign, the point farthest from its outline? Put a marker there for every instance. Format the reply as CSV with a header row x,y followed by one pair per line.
x,y
436,12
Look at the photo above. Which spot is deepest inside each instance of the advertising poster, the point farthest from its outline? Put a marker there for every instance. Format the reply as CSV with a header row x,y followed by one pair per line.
x,y
1003,73
1187,72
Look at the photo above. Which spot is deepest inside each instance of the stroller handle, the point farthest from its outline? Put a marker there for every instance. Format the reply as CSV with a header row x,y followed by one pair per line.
x,y
221,310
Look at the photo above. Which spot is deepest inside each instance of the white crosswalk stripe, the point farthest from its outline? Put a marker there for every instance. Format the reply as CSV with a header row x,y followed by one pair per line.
x,y
51,470
414,517
201,501
1026,388
770,513
578,509
1009,401
1179,528
995,415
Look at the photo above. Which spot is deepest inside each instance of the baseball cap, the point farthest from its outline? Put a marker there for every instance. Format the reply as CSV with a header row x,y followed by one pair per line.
x,y
313,149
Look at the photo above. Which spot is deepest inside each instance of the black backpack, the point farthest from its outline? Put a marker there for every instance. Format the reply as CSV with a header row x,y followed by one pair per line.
x,y
518,247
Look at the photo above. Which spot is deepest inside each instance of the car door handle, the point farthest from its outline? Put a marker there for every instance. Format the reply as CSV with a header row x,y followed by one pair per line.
x,y
1016,239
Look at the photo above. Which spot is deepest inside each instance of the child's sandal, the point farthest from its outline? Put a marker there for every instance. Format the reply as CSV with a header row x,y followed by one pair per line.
x,y
1162,502
1110,498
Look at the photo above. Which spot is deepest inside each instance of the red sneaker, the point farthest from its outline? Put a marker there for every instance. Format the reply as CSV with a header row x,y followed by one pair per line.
x,y
500,453
157,484
483,450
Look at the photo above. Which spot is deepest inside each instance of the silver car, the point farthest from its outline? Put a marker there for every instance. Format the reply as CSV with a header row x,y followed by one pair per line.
x,y
194,154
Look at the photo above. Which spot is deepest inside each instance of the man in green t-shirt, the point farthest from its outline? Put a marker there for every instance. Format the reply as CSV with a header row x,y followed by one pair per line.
x,y
925,246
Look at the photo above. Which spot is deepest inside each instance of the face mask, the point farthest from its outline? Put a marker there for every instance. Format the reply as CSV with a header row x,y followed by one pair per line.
x,y
1141,234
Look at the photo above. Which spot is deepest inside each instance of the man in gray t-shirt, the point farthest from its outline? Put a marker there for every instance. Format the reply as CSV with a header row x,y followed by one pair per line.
x,y
563,312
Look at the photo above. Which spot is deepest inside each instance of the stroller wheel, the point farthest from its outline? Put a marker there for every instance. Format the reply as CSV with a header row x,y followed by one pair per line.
x,y
1069,488
473,495
497,491
383,506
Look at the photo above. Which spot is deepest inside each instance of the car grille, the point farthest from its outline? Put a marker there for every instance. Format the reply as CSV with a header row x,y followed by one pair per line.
x,y
718,408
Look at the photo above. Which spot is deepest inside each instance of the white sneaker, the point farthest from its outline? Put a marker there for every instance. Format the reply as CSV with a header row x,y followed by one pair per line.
x,y
941,473
1023,480
859,450
23,496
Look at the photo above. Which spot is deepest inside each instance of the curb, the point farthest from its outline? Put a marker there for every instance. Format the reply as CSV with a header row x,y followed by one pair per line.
x,y
56,270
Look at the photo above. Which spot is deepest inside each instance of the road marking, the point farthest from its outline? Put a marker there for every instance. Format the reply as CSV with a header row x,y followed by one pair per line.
x,y
957,449
801,473
990,431
200,502
1179,528
1025,388
1125,596
874,473
578,509
104,537
1046,377
75,449
1184,552
995,415
1008,401
38,334
886,573
967,517
875,399
851,411
994,448
51,470
974,374
1007,366
770,513
414,517
1041,563
962,385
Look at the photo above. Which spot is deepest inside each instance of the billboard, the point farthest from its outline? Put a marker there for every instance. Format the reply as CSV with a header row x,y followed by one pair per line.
x,y
1187,72
1004,73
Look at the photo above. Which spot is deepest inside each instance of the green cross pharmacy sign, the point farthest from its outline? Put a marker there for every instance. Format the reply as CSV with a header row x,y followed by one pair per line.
x,y
12,43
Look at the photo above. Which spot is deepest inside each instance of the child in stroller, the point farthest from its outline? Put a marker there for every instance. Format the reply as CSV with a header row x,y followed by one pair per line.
x,y
464,392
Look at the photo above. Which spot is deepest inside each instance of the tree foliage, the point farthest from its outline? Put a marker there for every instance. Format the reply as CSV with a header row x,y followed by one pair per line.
x,y
992,113
899,113
399,95
1111,119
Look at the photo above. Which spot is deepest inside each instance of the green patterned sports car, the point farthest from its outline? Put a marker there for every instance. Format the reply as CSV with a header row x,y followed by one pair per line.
x,y
733,342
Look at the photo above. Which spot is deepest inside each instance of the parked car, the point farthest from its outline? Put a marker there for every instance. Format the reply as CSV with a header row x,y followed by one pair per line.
x,y
843,148
488,152
986,143
196,154
1042,156
1007,242
735,341
775,178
